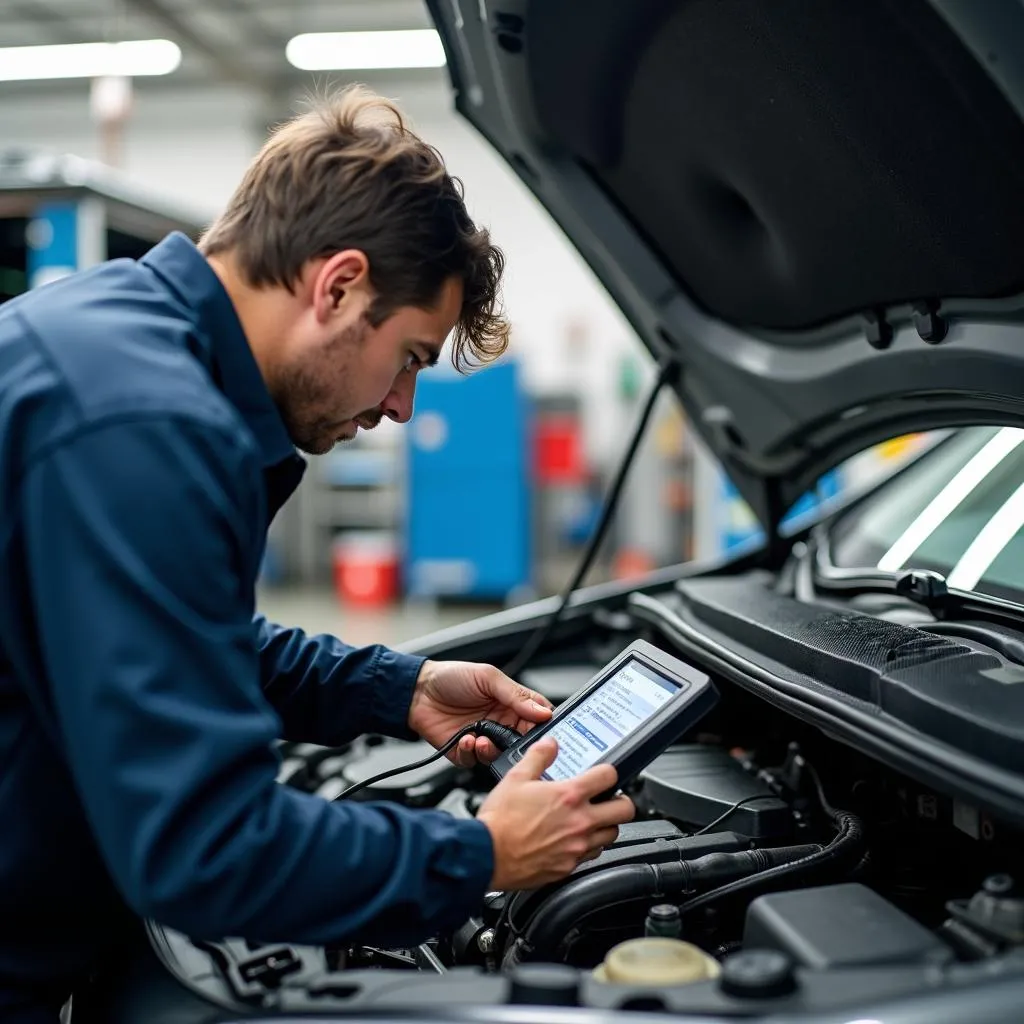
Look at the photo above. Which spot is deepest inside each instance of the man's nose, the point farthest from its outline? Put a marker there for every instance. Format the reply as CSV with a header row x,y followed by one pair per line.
x,y
398,405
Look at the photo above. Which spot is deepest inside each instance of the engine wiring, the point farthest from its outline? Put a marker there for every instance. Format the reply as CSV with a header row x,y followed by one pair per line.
x,y
506,930
848,844
848,841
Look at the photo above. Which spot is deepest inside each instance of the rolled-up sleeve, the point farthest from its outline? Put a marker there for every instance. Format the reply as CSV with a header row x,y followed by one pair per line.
x,y
328,692
138,544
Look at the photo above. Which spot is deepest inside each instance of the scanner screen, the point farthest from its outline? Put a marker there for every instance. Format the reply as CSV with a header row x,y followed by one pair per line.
x,y
617,708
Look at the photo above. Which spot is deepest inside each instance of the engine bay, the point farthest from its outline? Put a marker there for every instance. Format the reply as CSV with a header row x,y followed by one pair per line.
x,y
767,862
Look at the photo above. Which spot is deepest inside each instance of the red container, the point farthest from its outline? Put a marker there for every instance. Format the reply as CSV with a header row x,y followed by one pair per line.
x,y
558,450
365,569
629,564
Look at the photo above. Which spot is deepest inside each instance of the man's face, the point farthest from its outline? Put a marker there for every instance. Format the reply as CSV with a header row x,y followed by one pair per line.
x,y
341,374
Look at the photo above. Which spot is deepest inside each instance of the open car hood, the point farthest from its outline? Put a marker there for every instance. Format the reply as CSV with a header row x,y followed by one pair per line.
x,y
815,210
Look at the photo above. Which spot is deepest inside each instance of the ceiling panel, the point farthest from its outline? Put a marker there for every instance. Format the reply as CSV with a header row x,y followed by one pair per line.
x,y
236,41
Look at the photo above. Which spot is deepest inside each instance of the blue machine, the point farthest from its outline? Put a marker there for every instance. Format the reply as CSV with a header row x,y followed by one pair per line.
x,y
468,496
53,242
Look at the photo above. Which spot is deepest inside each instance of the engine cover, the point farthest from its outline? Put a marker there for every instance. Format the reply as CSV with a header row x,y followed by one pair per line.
x,y
697,785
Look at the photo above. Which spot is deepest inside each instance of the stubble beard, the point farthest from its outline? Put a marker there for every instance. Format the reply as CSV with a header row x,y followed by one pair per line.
x,y
302,396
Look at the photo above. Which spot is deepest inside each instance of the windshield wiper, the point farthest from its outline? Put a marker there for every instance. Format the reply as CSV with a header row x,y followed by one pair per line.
x,y
922,587
930,590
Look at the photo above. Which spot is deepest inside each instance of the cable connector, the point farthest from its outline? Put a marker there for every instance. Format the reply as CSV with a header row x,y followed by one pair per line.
x,y
502,736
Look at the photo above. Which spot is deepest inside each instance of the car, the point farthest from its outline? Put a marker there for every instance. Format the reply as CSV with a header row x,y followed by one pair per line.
x,y
812,216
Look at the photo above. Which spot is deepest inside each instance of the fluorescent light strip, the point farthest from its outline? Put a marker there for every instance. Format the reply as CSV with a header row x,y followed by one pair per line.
x,y
986,547
950,497
350,51
89,60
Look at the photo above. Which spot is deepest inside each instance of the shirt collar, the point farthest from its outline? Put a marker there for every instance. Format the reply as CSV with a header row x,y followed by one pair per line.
x,y
185,270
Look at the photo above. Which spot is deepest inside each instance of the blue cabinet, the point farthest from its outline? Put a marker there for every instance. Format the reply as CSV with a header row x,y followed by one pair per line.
x,y
468,504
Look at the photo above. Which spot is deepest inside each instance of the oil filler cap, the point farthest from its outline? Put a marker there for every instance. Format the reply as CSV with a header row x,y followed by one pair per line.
x,y
545,985
757,974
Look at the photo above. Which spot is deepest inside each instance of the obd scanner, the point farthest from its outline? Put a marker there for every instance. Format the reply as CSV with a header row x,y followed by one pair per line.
x,y
626,715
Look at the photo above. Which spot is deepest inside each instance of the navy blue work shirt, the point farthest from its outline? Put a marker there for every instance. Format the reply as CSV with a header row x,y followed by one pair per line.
x,y
141,461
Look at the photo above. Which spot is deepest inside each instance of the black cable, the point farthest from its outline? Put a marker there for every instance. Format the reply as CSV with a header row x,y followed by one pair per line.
x,y
822,799
847,846
500,735
534,643
732,810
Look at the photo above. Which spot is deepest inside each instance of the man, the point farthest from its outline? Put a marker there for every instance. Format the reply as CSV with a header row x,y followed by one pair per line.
x,y
148,413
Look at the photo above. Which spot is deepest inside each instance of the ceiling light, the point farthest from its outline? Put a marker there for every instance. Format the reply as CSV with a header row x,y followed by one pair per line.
x,y
89,60
335,51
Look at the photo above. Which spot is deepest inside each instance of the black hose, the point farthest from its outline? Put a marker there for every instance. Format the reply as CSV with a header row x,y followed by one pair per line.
x,y
847,847
564,909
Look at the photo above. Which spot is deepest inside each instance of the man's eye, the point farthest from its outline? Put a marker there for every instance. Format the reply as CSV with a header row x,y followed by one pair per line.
x,y
412,362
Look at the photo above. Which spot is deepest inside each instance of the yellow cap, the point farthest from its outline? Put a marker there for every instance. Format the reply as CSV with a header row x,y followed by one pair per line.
x,y
656,961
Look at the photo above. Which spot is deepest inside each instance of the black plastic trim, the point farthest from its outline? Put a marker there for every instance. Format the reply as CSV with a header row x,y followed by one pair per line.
x,y
930,761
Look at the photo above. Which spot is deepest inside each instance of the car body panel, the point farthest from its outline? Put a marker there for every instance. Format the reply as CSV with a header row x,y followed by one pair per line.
x,y
781,389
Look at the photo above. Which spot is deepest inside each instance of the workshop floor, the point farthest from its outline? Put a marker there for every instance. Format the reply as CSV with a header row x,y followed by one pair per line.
x,y
319,611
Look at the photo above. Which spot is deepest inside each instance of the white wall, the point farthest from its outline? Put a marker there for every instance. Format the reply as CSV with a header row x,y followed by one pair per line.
x,y
188,146
192,146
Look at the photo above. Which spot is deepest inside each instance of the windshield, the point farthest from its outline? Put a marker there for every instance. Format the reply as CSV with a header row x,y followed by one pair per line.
x,y
958,510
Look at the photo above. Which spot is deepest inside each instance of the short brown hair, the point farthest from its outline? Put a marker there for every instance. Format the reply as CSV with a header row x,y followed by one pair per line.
x,y
350,174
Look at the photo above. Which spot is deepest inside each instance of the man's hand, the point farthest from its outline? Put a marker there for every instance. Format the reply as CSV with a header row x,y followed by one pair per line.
x,y
542,829
451,694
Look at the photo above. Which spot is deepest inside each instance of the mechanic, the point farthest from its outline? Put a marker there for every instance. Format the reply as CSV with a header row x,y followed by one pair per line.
x,y
150,413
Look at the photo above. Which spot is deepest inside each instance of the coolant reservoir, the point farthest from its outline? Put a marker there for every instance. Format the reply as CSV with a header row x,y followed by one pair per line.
x,y
656,961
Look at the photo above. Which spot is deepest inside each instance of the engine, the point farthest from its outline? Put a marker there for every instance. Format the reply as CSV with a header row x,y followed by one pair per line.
x,y
763,857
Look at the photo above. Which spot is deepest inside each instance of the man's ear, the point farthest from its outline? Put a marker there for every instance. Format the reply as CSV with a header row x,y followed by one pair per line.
x,y
341,282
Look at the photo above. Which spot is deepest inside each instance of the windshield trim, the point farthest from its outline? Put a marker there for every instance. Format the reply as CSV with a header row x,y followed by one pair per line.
x,y
957,603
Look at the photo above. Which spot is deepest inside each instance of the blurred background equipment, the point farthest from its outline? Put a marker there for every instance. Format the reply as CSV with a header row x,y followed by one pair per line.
x,y
121,120
59,214
467,515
